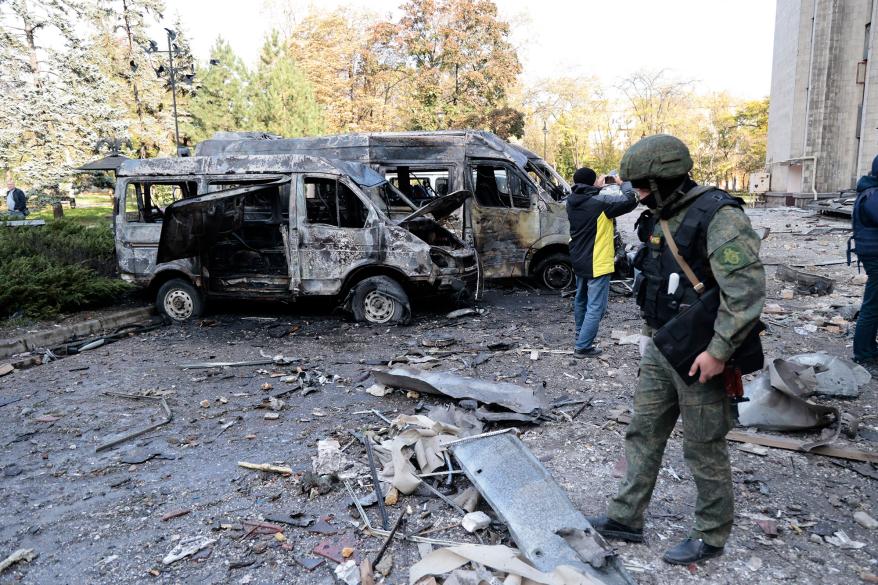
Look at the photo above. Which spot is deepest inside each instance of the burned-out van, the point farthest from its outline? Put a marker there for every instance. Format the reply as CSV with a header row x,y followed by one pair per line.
x,y
518,227
280,228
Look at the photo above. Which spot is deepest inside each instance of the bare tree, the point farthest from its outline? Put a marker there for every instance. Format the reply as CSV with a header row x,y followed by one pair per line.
x,y
655,100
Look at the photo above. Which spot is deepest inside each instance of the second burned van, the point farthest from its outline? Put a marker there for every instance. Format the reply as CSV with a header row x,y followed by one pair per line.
x,y
518,227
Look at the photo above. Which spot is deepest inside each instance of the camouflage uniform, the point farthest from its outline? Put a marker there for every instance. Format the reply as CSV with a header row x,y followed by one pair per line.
x,y
662,396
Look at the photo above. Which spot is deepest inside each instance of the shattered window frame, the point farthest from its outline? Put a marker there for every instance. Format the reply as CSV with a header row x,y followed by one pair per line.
x,y
421,175
147,211
515,177
366,205
280,214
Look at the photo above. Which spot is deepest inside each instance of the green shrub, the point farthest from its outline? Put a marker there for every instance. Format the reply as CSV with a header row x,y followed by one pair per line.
x,y
61,266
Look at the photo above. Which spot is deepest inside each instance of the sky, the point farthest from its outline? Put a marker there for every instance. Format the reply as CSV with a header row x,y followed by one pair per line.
x,y
716,44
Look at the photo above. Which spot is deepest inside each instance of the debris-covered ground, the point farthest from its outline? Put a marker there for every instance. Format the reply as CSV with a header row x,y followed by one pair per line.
x,y
187,488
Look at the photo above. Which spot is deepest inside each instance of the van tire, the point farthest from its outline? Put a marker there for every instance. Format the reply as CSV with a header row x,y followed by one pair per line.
x,y
179,300
555,272
380,300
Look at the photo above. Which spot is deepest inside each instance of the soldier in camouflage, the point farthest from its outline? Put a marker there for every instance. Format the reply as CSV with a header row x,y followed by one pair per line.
x,y
727,256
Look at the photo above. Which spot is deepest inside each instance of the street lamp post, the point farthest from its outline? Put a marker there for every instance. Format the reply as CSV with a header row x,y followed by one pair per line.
x,y
173,74
545,139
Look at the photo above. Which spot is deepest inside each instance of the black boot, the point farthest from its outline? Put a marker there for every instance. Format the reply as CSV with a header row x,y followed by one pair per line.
x,y
609,528
691,550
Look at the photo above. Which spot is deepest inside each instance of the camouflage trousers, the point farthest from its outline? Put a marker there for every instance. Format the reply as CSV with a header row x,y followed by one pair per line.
x,y
661,397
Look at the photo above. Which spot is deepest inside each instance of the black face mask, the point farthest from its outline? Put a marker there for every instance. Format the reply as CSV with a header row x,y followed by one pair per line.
x,y
650,200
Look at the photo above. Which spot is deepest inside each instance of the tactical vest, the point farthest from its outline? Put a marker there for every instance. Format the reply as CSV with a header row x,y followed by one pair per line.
x,y
657,263
865,233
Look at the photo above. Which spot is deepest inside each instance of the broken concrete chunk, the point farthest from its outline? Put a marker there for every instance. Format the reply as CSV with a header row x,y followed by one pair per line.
x,y
348,572
842,540
379,390
187,547
330,459
866,521
385,565
475,521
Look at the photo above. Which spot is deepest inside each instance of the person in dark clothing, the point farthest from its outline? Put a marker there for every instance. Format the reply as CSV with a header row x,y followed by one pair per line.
x,y
865,224
592,253
16,200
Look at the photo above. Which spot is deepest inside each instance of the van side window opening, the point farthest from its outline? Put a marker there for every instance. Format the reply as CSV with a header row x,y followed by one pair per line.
x,y
421,185
331,202
270,205
495,185
146,201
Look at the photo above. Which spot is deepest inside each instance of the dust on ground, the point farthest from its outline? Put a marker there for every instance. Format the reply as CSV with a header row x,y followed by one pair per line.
x,y
93,518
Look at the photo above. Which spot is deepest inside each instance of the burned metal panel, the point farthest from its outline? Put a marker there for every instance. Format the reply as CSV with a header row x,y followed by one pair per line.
x,y
534,507
554,223
245,164
503,237
328,253
516,398
407,252
190,226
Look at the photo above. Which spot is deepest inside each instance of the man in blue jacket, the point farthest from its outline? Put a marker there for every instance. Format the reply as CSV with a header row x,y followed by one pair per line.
x,y
592,253
865,224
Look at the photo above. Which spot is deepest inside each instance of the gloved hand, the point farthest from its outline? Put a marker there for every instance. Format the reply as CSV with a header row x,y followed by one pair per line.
x,y
644,339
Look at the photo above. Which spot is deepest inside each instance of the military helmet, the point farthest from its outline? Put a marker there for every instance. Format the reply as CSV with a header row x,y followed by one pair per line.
x,y
660,156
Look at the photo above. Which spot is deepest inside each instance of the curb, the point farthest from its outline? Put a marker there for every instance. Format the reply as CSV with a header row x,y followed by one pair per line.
x,y
58,335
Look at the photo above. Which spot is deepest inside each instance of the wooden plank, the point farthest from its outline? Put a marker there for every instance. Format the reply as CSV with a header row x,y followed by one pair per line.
x,y
779,443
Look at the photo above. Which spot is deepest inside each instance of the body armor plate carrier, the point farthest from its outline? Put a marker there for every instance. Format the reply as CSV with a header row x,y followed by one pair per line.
x,y
657,263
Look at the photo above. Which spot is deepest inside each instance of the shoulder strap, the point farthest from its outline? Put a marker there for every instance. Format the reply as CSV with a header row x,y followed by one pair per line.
x,y
697,217
687,270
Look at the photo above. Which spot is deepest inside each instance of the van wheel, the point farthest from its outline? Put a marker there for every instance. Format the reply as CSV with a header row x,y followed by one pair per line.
x,y
179,300
555,272
380,300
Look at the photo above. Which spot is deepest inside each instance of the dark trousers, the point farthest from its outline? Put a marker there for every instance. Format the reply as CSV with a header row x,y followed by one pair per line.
x,y
865,347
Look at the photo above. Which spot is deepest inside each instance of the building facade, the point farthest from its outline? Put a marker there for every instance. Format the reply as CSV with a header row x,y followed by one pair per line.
x,y
823,115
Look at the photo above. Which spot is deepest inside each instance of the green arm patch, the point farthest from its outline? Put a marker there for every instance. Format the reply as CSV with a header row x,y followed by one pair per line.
x,y
731,255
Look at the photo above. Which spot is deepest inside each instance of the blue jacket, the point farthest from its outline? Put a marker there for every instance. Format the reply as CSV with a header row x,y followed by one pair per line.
x,y
865,219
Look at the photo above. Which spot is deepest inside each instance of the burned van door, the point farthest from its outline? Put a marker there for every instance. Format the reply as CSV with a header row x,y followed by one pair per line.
x,y
504,216
252,260
191,226
140,214
337,233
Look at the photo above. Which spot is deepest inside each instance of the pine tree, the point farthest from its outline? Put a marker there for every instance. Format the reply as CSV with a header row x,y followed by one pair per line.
x,y
220,100
283,99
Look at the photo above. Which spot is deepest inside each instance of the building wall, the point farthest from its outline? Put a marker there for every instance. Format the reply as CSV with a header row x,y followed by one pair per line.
x,y
869,127
789,73
815,97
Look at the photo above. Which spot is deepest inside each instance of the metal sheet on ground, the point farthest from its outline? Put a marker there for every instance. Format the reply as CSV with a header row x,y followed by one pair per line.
x,y
532,504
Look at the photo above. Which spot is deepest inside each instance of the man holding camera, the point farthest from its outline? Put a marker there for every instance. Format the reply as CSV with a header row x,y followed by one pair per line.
x,y
592,252
701,299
